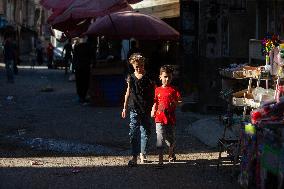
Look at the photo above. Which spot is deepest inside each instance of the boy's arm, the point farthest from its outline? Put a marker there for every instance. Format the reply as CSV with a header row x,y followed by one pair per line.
x,y
126,97
178,99
154,108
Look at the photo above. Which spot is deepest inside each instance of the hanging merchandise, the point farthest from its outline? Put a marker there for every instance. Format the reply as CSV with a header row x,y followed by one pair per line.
x,y
282,50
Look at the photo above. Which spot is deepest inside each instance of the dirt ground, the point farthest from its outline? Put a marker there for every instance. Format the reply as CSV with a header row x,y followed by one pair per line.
x,y
28,112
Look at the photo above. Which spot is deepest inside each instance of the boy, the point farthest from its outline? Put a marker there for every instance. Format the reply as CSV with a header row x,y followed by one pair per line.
x,y
163,110
139,99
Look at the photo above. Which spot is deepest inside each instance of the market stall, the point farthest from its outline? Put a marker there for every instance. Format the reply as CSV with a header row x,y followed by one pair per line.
x,y
259,147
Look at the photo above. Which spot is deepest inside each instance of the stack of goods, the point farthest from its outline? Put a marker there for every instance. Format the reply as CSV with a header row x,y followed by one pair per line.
x,y
260,96
239,98
242,71
233,71
282,50
252,72
254,97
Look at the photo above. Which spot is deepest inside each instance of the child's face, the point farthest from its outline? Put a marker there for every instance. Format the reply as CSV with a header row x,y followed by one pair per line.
x,y
166,78
138,67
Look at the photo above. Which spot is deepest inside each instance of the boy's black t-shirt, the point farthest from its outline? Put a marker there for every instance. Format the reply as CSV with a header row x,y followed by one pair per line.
x,y
141,93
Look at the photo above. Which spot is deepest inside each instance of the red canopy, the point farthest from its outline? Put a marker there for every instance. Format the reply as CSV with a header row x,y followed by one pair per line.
x,y
56,4
82,9
54,14
64,4
79,30
128,24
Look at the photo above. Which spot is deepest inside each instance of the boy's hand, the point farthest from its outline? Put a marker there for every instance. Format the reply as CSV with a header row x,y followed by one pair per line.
x,y
123,113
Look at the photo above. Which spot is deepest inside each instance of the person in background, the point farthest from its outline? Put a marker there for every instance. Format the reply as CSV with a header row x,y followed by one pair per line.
x,y
75,43
39,53
32,58
138,100
133,49
67,49
166,99
16,57
9,56
49,53
84,58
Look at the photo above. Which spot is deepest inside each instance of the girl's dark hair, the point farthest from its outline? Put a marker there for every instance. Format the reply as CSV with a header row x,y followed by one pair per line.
x,y
167,69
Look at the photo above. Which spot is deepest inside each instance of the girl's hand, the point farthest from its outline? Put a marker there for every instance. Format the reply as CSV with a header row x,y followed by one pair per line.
x,y
123,113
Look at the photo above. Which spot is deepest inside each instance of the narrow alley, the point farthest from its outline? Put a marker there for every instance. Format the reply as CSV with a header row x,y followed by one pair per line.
x,y
49,140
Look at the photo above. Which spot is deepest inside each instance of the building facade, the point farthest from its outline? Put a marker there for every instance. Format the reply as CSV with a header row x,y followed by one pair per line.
x,y
27,18
226,28
214,34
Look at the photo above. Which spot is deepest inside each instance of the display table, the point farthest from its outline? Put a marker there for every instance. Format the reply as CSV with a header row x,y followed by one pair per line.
x,y
107,83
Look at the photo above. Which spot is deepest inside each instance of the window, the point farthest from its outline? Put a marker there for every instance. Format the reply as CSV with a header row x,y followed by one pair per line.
x,y
237,6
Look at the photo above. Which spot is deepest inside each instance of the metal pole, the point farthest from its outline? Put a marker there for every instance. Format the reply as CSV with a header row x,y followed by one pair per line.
x,y
116,31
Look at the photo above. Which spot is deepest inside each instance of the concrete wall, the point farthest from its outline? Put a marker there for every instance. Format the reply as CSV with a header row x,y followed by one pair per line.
x,y
242,28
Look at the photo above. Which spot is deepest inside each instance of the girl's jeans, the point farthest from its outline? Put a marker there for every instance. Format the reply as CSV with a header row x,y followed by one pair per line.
x,y
142,123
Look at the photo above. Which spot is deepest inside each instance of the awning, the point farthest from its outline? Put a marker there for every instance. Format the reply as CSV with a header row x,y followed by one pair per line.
x,y
158,8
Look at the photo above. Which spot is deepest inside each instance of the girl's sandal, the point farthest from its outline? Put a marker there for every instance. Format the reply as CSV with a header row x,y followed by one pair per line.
x,y
132,163
159,166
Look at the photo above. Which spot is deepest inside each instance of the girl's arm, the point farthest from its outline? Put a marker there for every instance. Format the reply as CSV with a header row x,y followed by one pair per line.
x,y
126,97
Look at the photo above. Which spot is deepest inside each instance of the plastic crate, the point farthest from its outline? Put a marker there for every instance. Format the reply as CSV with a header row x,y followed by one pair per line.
x,y
107,90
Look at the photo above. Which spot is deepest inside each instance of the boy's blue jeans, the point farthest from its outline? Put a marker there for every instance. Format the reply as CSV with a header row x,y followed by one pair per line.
x,y
140,123
165,134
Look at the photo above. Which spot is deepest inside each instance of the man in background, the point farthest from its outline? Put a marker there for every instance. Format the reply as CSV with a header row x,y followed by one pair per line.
x,y
68,54
9,56
84,58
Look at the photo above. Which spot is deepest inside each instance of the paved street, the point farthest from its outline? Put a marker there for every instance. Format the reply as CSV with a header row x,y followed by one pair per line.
x,y
49,140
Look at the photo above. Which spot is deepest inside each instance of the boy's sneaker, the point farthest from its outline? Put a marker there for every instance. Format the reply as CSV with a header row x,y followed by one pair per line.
x,y
143,158
172,159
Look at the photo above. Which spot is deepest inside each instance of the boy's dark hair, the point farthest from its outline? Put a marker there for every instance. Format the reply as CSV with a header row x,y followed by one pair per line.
x,y
167,69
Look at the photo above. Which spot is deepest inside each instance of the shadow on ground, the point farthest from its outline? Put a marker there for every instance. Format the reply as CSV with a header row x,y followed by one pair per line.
x,y
200,173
